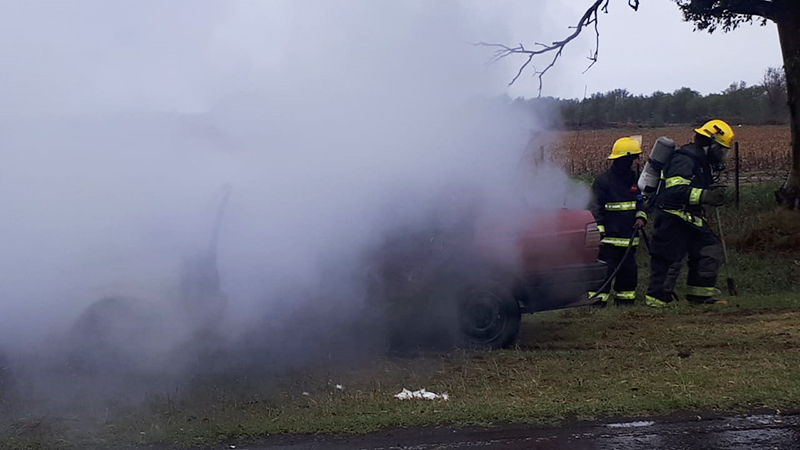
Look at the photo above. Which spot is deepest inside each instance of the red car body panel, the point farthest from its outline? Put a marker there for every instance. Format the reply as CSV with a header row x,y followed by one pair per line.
x,y
498,264
550,239
557,238
553,256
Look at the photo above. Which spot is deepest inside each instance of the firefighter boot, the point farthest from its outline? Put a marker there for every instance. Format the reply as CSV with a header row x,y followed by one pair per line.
x,y
654,302
601,301
624,299
696,300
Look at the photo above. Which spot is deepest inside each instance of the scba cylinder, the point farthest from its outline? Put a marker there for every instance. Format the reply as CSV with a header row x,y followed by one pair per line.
x,y
648,180
651,174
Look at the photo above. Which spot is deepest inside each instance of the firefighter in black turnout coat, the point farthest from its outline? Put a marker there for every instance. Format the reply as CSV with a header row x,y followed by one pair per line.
x,y
618,211
680,225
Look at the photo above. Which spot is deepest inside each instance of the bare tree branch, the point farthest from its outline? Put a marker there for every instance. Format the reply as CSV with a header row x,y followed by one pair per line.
x,y
592,56
589,18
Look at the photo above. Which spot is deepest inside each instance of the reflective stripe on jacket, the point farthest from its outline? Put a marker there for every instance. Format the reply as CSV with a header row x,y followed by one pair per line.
x,y
620,242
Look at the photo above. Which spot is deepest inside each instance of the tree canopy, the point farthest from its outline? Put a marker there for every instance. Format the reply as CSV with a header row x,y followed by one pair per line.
x,y
760,104
708,15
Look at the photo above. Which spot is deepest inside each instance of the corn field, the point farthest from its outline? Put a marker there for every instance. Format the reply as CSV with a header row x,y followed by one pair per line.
x,y
764,151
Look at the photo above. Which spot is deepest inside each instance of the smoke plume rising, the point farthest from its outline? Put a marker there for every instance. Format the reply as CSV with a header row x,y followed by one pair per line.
x,y
337,124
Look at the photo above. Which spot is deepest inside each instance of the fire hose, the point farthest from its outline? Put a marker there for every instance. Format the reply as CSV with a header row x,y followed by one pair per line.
x,y
619,266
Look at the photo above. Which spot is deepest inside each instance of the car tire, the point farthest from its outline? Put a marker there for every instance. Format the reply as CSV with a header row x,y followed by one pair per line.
x,y
488,316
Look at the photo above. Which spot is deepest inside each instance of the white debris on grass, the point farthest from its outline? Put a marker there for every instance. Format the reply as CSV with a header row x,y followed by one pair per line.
x,y
643,423
405,394
339,387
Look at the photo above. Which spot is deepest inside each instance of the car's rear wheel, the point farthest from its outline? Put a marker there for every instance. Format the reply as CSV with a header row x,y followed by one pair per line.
x,y
489,316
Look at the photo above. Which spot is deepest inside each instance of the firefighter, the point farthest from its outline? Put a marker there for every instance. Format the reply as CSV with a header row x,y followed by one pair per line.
x,y
618,213
680,226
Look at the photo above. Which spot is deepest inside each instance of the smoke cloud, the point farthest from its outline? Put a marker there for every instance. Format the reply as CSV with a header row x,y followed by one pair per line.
x,y
337,124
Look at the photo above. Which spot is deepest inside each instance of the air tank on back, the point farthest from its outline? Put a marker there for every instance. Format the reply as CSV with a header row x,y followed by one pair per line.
x,y
651,174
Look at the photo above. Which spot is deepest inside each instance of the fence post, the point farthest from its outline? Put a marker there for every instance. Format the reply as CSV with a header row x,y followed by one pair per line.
x,y
736,171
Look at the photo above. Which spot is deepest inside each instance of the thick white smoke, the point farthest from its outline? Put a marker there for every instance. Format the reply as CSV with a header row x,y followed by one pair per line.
x,y
334,121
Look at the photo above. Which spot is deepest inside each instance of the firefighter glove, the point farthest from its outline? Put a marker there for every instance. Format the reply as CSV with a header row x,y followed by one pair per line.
x,y
640,223
714,196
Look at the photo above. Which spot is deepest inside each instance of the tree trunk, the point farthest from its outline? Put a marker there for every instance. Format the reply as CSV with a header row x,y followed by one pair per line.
x,y
788,22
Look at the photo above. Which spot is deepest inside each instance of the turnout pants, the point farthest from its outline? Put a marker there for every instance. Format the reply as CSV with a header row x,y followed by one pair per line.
x,y
674,238
627,277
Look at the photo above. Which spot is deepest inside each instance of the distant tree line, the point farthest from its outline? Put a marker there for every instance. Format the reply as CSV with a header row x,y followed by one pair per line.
x,y
763,103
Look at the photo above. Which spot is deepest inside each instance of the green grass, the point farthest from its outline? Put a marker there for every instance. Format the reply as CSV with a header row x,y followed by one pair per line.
x,y
571,364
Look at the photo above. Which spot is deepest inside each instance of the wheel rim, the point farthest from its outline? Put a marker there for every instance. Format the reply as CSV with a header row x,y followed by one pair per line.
x,y
482,316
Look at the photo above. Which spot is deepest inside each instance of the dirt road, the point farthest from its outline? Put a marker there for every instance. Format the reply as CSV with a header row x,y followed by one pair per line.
x,y
754,432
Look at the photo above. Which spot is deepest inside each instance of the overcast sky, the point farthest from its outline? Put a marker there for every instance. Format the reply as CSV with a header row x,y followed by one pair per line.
x,y
176,55
652,49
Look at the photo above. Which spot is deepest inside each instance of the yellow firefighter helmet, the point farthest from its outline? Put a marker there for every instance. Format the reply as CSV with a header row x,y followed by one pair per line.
x,y
625,146
719,131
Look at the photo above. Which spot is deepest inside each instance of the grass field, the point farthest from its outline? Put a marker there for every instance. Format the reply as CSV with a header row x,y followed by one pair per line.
x,y
764,150
572,364
577,364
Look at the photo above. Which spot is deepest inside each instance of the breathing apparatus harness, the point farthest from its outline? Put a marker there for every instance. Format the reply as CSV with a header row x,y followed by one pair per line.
x,y
650,181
